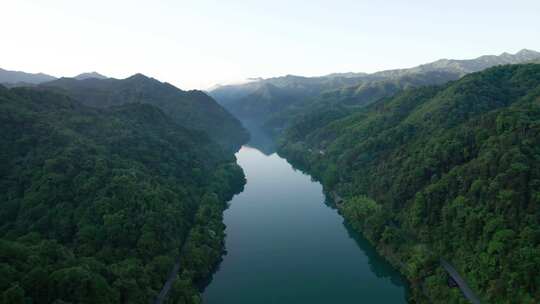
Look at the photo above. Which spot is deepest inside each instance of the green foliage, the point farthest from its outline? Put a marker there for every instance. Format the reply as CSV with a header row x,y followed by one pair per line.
x,y
96,203
15,295
334,104
454,169
362,207
191,109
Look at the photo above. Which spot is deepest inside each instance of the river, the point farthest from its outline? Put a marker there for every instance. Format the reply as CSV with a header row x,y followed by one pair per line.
x,y
286,245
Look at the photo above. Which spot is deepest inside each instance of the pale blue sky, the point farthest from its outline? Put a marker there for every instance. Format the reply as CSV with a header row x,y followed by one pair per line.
x,y
196,44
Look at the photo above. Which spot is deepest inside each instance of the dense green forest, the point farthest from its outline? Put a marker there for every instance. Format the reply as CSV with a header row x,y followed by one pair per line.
x,y
191,109
96,203
349,99
440,172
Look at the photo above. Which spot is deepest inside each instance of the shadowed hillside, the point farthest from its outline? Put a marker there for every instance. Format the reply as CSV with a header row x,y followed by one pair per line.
x,y
191,109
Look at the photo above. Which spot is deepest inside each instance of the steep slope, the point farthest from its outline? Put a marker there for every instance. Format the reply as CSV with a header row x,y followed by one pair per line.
x,y
16,78
349,99
442,172
191,109
96,203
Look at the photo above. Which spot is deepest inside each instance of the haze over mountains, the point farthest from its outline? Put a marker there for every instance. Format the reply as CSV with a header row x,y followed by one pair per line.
x,y
90,75
17,77
263,100
269,104
466,66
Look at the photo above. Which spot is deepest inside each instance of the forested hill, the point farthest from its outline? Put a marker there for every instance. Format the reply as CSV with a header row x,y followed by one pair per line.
x,y
449,171
351,98
276,102
96,203
191,109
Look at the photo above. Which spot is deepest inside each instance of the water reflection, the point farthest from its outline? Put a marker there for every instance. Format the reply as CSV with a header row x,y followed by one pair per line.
x,y
378,265
286,246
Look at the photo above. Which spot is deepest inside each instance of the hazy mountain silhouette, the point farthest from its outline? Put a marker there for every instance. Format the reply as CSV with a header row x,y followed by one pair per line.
x,y
90,75
12,78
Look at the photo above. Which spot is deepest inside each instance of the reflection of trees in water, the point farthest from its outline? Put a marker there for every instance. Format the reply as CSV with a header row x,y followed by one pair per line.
x,y
259,139
205,282
378,265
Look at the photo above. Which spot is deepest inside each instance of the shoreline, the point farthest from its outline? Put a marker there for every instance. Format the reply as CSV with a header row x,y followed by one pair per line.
x,y
416,289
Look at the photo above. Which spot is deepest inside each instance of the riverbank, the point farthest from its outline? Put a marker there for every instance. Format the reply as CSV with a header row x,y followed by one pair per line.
x,y
203,250
417,263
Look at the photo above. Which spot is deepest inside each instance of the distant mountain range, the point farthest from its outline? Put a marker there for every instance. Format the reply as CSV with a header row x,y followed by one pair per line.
x,y
90,75
466,66
18,78
21,78
268,100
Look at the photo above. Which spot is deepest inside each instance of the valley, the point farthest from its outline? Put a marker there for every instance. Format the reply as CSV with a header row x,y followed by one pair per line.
x,y
415,185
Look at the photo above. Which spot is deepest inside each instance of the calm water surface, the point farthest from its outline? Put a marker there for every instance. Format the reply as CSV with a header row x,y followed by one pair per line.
x,y
285,245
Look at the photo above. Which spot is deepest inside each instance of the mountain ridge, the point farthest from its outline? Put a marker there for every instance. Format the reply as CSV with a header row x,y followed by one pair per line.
x,y
22,78
87,75
297,93
192,109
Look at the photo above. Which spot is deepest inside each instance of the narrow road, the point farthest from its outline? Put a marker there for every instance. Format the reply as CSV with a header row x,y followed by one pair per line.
x,y
465,289
168,284
170,279
467,292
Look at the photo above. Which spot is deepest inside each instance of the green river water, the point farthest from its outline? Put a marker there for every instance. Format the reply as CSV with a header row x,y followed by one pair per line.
x,y
286,245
